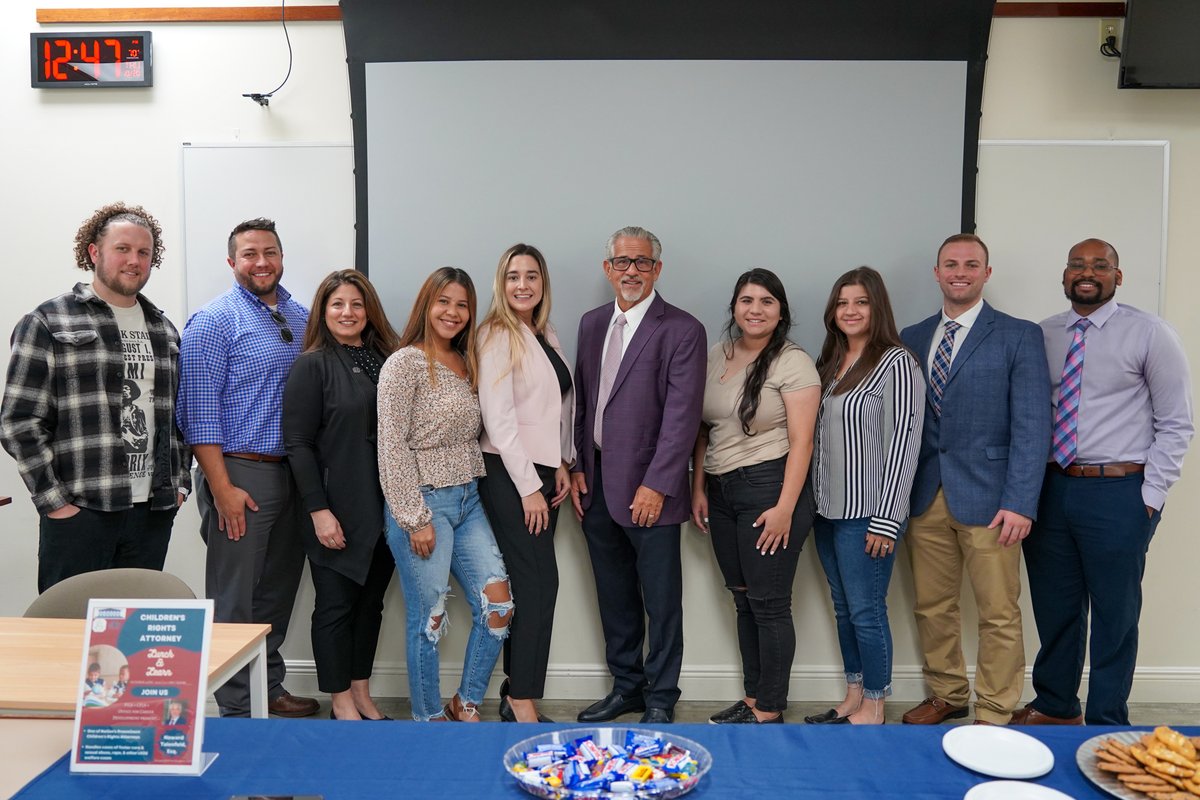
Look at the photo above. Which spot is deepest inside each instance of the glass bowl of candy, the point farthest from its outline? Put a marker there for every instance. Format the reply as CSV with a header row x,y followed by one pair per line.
x,y
602,762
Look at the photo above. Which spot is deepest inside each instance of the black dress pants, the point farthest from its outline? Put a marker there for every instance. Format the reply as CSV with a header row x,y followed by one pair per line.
x,y
532,574
346,619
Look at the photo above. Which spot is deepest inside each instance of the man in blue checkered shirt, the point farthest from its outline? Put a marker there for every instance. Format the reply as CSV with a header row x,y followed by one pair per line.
x,y
89,407
236,355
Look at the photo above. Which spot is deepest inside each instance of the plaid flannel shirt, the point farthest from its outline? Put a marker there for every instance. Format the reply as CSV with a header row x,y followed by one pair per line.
x,y
61,417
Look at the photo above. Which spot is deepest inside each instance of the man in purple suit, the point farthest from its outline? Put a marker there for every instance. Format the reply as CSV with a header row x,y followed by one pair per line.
x,y
639,383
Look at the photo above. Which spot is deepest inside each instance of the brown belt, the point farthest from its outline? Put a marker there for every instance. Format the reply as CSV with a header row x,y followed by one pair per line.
x,y
1118,470
255,457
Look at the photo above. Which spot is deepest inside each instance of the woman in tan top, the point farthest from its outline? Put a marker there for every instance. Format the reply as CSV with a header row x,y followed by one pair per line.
x,y
429,460
760,407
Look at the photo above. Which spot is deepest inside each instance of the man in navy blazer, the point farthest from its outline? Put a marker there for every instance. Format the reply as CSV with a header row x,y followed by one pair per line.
x,y
639,384
983,456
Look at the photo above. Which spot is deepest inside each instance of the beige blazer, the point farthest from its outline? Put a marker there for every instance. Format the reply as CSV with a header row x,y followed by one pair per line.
x,y
526,419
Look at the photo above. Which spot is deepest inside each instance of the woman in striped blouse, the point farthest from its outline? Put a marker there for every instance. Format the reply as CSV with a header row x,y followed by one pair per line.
x,y
864,459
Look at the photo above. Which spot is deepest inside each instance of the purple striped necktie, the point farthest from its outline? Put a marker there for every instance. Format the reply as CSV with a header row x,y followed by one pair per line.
x,y
941,365
1066,419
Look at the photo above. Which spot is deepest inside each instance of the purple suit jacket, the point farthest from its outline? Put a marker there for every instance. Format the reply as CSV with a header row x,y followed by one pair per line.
x,y
653,413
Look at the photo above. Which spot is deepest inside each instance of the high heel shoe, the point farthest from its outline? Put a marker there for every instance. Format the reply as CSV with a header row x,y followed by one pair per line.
x,y
506,710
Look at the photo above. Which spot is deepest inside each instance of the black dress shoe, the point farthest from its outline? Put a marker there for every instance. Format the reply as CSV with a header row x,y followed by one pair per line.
x,y
829,717
658,716
736,713
611,707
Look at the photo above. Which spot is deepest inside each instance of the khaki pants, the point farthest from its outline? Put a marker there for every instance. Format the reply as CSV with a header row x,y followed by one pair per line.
x,y
940,548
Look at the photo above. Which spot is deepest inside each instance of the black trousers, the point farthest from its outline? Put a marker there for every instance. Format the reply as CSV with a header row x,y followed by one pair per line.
x,y
761,584
346,619
638,578
532,574
92,540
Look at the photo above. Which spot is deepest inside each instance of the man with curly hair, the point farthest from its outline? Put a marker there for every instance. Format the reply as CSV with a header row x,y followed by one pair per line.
x,y
89,407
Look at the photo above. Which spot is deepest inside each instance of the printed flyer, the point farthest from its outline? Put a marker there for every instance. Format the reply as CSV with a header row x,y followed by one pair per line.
x,y
142,687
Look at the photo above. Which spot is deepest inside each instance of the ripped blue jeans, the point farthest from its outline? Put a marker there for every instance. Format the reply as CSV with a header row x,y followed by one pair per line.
x,y
465,547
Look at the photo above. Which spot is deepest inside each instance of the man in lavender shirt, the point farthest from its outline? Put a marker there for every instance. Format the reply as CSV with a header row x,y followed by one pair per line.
x,y
1110,467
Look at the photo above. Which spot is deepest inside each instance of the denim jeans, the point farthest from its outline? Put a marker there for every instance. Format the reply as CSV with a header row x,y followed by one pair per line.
x,y
465,547
859,586
761,584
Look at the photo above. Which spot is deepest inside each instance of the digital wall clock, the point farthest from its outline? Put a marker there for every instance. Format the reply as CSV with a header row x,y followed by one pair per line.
x,y
92,59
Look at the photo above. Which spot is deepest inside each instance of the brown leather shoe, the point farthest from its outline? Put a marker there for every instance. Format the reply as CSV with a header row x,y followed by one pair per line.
x,y
288,705
1031,716
933,711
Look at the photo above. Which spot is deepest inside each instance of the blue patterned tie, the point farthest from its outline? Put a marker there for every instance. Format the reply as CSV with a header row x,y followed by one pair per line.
x,y
941,366
1066,419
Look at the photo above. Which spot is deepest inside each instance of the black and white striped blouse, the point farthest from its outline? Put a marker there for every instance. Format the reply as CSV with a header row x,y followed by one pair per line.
x,y
867,442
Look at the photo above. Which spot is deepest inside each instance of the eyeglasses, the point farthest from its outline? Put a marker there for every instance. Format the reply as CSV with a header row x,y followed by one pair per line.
x,y
1100,268
285,332
621,263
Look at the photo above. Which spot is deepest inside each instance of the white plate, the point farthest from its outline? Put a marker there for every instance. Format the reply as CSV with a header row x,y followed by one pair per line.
x,y
998,751
1013,790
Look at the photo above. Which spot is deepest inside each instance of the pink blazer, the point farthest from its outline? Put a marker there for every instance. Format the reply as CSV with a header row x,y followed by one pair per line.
x,y
526,419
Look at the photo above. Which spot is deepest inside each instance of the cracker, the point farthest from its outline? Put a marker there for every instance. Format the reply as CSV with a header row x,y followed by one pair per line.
x,y
1176,741
1119,767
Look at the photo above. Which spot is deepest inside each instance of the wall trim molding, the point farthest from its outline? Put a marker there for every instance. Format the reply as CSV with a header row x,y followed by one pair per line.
x,y
718,683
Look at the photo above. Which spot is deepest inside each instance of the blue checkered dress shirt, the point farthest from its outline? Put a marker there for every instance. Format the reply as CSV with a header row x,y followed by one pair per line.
x,y
233,365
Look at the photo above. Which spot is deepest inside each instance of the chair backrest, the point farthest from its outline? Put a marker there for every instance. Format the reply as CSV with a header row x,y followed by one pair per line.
x,y
68,599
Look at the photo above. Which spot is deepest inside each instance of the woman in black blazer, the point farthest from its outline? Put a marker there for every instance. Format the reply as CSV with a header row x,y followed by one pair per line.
x,y
329,424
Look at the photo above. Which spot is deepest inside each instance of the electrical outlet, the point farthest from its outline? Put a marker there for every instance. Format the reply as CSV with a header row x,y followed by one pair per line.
x,y
1108,27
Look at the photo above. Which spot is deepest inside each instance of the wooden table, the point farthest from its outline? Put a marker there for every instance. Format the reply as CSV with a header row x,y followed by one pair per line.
x,y
39,664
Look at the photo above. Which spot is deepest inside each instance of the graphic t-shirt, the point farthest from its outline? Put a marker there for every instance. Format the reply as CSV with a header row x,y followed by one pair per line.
x,y
137,399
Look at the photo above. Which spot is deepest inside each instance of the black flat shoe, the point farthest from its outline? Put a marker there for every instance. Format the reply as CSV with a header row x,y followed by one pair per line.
x,y
830,717
775,720
610,707
658,716
737,713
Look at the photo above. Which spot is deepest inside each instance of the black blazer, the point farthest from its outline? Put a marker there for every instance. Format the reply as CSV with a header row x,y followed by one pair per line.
x,y
329,426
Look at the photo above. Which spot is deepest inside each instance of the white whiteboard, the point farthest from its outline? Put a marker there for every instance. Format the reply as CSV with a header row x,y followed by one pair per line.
x,y
308,189
1038,198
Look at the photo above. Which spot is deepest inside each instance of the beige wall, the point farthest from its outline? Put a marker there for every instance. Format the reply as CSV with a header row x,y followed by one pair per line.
x,y
64,153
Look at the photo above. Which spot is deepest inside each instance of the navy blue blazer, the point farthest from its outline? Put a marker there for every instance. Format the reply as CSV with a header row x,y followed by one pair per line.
x,y
989,448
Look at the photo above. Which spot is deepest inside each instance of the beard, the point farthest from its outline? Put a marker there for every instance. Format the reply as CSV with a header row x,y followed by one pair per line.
x,y
1099,298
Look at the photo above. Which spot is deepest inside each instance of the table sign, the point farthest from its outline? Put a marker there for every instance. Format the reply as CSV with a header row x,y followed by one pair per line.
x,y
143,687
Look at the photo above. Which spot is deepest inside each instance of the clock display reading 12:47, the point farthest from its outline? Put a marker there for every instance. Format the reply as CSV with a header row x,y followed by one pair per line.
x,y
87,60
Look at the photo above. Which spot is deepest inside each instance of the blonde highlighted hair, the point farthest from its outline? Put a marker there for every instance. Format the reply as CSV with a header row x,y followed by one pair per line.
x,y
418,331
501,319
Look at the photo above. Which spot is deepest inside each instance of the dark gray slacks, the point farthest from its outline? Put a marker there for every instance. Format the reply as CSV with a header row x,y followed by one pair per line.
x,y
254,579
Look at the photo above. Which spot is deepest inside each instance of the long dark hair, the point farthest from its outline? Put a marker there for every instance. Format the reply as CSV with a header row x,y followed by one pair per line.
x,y
752,389
418,330
881,332
377,335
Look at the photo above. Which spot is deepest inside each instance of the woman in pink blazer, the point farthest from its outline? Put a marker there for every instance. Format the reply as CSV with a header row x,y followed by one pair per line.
x,y
527,401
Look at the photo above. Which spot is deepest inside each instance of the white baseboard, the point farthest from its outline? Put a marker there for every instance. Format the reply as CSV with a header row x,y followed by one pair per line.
x,y
809,683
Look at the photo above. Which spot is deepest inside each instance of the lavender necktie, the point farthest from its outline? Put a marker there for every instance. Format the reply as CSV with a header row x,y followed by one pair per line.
x,y
608,373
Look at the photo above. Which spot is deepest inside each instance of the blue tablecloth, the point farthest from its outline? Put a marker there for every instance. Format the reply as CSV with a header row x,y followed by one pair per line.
x,y
409,760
